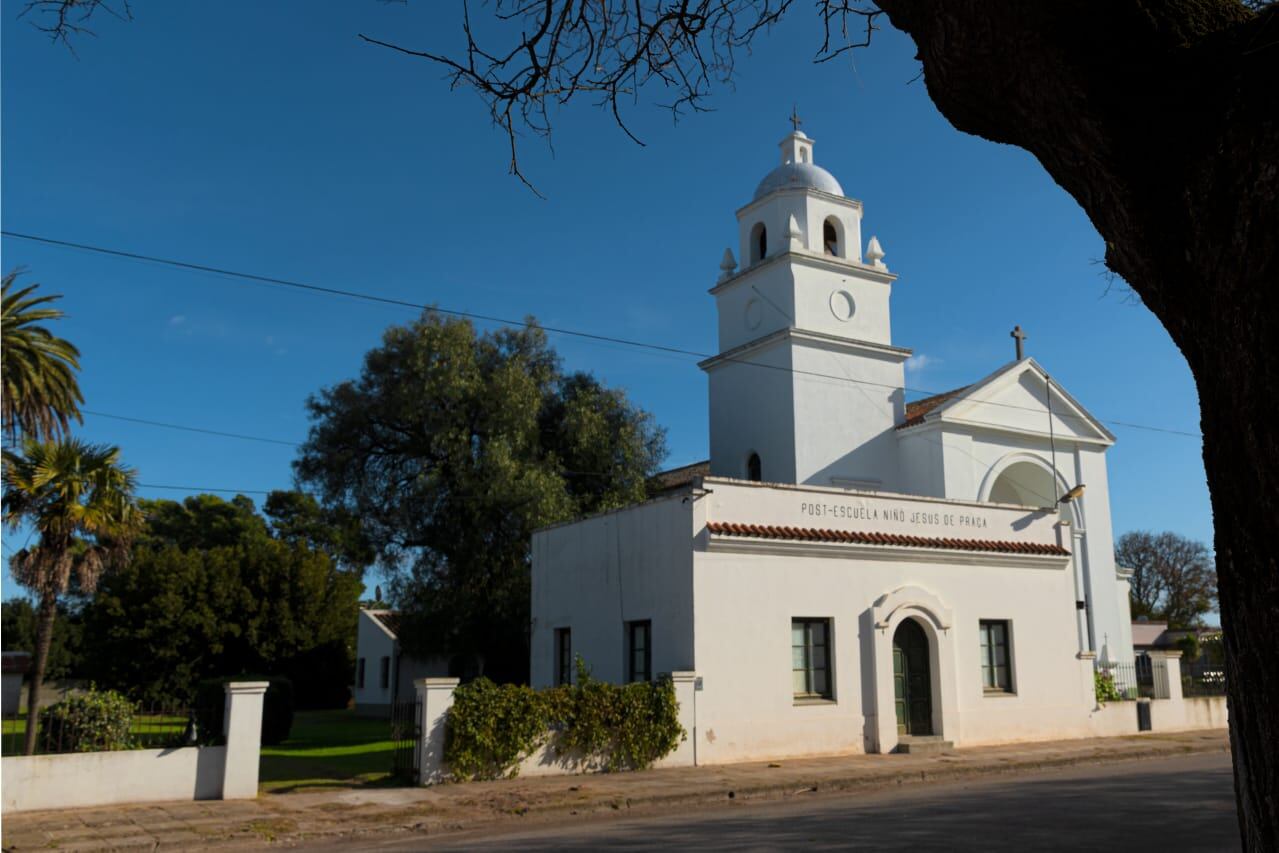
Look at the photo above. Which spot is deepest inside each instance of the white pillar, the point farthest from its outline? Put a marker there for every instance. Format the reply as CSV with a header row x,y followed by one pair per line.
x,y
1172,664
436,697
685,755
242,725
1088,679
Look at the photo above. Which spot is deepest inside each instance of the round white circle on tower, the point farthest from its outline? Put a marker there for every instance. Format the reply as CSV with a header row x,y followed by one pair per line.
x,y
842,305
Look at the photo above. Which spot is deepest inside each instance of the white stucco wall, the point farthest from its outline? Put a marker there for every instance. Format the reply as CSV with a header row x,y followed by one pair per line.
x,y
106,778
72,780
972,458
1191,712
846,401
748,591
373,642
740,426
595,575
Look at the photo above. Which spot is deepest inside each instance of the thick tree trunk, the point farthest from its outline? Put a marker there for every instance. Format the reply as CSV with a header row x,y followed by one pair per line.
x,y
44,638
1162,120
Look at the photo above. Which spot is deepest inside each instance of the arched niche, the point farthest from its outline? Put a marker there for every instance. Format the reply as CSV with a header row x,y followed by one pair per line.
x,y
833,238
759,243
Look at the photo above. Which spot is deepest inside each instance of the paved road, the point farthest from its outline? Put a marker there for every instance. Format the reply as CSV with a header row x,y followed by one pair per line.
x,y
1177,804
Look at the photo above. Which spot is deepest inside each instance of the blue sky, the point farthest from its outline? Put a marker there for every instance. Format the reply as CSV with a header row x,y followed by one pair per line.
x,y
274,141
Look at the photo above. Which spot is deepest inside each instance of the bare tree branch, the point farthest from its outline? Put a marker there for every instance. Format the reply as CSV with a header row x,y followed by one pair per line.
x,y
62,19
534,55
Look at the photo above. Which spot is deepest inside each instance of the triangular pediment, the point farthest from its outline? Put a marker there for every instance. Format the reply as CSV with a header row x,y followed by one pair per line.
x,y
1017,398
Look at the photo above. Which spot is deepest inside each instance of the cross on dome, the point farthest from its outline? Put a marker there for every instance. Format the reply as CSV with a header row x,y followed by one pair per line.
x,y
795,120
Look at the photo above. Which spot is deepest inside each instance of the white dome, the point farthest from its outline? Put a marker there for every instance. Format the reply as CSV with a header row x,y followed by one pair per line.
x,y
798,175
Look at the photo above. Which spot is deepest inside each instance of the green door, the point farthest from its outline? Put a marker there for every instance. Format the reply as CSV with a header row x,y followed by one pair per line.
x,y
912,680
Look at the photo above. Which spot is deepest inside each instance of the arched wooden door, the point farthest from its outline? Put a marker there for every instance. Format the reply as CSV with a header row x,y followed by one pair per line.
x,y
912,680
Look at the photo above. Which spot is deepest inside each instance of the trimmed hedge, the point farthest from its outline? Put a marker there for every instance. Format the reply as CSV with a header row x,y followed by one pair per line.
x,y
277,708
491,728
96,721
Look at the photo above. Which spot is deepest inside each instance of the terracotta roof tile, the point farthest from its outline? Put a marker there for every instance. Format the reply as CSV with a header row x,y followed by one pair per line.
x,y
916,411
390,620
815,534
674,478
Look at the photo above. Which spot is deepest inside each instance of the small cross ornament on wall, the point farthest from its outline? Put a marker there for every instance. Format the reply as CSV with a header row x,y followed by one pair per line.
x,y
1020,337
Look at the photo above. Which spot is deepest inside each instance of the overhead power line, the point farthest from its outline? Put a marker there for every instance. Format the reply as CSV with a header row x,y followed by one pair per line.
x,y
185,428
488,318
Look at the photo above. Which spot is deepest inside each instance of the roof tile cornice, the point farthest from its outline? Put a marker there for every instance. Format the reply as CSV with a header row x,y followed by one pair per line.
x,y
858,537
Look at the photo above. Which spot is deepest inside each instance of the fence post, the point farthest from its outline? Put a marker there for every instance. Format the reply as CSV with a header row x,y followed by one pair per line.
x,y
436,696
685,684
242,725
1172,665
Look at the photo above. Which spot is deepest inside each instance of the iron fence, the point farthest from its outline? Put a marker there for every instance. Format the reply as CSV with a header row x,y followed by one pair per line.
x,y
1141,679
406,731
1203,678
157,725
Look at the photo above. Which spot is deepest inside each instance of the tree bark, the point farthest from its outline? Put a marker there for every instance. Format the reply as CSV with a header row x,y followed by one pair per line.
x,y
44,639
1162,120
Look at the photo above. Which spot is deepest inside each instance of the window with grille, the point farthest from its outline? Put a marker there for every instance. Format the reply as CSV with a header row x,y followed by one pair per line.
x,y
639,651
996,671
563,656
810,658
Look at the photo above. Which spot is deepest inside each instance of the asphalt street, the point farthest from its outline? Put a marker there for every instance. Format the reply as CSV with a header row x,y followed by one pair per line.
x,y
1178,804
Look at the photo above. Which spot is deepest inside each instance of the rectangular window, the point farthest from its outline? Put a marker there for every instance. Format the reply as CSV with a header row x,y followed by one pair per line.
x,y
384,676
639,651
810,658
359,674
563,656
996,673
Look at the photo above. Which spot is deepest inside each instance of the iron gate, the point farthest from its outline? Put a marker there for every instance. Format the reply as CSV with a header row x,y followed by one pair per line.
x,y
406,731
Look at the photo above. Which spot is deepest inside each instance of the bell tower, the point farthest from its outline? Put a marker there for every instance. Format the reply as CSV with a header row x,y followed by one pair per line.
x,y
807,386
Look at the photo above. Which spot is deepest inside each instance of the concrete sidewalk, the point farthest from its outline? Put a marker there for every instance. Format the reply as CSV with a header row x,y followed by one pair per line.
x,y
370,815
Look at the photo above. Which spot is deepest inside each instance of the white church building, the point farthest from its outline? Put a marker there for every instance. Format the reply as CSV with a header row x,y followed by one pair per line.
x,y
850,572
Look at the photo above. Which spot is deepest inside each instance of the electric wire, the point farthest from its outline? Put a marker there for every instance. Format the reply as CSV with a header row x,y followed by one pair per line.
x,y
488,318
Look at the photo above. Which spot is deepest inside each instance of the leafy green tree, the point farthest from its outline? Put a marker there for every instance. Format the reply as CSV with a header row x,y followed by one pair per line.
x,y
211,591
202,522
298,517
1189,647
19,624
41,394
79,499
452,447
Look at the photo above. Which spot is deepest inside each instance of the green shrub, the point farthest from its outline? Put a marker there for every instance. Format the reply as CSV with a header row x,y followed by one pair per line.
x,y
277,708
491,728
1104,687
96,721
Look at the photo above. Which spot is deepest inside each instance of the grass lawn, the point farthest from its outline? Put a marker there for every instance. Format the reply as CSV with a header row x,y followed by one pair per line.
x,y
329,749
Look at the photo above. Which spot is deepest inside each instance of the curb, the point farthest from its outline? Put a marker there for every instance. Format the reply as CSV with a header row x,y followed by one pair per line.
x,y
604,808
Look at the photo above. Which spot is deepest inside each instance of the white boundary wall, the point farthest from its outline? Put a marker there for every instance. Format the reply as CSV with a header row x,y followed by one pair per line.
x,y
1113,719
144,775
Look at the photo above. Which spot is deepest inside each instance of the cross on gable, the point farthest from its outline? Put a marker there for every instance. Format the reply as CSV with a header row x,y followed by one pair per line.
x,y
1020,337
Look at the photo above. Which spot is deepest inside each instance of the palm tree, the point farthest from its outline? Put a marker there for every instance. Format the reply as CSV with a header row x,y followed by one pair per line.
x,y
41,394
79,498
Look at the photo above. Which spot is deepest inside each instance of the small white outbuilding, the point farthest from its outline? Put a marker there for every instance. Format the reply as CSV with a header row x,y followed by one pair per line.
x,y
849,571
